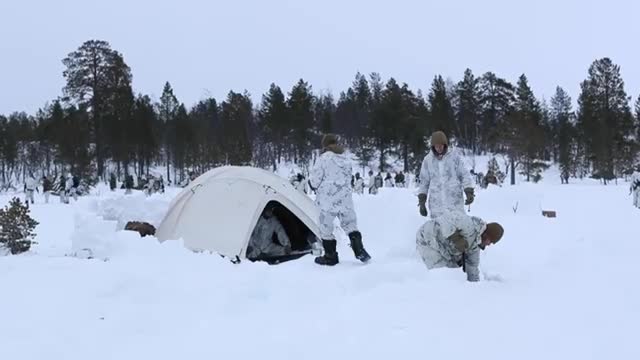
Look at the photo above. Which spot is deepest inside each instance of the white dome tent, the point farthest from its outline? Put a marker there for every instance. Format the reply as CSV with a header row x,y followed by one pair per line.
x,y
218,211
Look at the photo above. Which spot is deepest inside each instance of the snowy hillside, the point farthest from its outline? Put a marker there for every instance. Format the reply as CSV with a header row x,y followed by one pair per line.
x,y
563,288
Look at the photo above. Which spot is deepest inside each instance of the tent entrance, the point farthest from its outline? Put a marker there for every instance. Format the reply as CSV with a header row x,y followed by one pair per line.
x,y
279,236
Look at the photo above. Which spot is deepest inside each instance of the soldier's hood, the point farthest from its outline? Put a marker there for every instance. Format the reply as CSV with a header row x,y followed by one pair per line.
x,y
335,148
450,150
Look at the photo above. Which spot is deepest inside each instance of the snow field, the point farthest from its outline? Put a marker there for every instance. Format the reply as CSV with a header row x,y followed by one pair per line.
x,y
553,288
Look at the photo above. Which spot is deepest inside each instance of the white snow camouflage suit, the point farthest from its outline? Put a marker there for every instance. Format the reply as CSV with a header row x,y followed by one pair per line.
x,y
30,186
358,186
331,177
262,239
437,250
635,188
444,182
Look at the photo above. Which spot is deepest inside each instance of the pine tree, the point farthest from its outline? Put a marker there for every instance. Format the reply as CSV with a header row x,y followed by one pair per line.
x,y
236,117
205,125
385,120
183,137
325,112
548,141
605,120
118,127
411,124
145,130
89,73
17,227
467,110
167,111
497,99
362,108
274,118
561,118
441,109
524,135
300,106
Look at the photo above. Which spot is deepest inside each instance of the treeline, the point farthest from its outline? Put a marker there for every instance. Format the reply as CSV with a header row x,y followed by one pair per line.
x,y
99,125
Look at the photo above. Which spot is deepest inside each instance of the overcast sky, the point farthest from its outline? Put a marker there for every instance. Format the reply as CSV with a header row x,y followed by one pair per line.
x,y
206,48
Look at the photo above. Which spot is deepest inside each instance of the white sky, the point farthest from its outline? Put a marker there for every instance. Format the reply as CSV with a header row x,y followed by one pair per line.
x,y
206,48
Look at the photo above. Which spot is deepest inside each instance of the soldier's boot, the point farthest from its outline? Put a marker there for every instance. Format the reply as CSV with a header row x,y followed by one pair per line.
x,y
330,256
358,249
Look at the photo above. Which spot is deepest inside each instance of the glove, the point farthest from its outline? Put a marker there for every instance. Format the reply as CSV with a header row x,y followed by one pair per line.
x,y
470,196
459,241
422,200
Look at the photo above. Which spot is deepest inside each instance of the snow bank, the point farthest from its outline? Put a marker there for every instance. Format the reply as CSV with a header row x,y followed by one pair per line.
x,y
553,288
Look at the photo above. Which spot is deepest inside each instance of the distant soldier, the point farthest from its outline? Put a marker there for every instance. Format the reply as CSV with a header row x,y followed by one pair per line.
x,y
46,188
30,185
358,184
113,183
62,190
635,187
373,189
400,180
388,180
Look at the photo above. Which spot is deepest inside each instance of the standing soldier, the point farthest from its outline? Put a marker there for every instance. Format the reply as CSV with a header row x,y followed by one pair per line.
x,y
443,177
635,187
30,185
400,181
331,177
358,184
62,191
46,188
388,180
128,184
75,188
113,183
373,189
70,189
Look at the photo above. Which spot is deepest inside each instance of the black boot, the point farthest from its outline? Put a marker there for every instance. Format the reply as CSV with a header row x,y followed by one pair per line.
x,y
358,249
330,256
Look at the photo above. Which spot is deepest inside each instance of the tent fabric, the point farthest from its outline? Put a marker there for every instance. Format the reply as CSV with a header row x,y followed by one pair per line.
x,y
218,210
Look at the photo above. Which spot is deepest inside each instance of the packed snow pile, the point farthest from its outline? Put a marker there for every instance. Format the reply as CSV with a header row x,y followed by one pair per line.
x,y
553,288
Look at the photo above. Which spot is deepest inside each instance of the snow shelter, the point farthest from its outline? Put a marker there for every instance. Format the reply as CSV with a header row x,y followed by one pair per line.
x,y
219,210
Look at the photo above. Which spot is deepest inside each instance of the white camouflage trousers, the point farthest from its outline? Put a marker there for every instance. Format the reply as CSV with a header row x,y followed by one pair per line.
x,y
346,216
29,194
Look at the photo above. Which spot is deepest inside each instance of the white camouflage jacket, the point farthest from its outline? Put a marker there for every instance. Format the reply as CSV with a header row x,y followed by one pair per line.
x,y
437,250
444,182
331,177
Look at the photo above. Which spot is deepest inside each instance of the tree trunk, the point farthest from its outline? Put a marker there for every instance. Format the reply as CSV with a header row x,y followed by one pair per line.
x,y
381,148
513,171
405,155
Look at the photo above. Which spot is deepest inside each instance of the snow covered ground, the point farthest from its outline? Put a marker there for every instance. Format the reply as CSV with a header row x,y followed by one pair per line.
x,y
563,288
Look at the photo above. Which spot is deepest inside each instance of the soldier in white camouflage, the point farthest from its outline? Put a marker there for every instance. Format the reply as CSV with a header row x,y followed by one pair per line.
x,y
454,240
443,177
269,238
331,179
634,188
